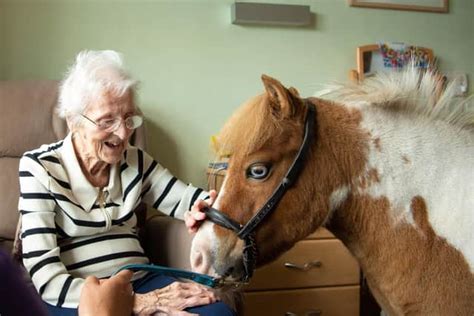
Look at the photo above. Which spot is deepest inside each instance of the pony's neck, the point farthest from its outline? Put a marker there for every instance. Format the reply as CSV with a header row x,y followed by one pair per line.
x,y
339,156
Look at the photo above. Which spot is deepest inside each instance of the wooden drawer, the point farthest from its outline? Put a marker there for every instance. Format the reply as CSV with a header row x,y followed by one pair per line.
x,y
329,301
338,267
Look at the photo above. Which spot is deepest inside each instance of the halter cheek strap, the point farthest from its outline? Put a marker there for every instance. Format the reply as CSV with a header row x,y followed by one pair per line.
x,y
247,231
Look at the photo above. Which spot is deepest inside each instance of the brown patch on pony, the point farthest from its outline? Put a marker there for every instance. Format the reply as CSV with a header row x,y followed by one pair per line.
x,y
420,216
415,270
405,159
376,142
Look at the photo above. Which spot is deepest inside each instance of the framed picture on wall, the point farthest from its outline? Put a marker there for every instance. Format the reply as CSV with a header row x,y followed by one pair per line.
x,y
373,58
439,6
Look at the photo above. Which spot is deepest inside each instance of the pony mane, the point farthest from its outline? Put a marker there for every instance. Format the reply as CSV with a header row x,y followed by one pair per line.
x,y
411,90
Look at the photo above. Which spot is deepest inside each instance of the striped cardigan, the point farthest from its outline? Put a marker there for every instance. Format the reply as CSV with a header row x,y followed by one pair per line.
x,y
71,230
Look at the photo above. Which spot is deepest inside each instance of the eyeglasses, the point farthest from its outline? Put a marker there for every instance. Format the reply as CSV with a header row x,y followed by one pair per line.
x,y
111,125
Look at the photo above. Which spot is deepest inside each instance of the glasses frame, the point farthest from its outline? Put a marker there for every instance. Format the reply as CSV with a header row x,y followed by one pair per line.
x,y
116,126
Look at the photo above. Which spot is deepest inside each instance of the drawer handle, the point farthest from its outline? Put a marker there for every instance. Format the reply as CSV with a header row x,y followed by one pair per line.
x,y
307,266
313,312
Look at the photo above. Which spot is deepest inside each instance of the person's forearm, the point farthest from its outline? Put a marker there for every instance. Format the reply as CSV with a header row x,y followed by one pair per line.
x,y
14,287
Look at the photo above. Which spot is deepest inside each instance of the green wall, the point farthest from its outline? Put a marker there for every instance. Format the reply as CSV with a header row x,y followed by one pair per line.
x,y
196,67
2,42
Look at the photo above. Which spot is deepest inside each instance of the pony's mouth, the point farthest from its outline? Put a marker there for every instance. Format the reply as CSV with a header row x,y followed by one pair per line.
x,y
230,280
232,275
228,273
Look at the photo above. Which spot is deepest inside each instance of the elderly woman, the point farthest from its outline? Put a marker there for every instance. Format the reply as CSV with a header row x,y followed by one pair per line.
x,y
78,196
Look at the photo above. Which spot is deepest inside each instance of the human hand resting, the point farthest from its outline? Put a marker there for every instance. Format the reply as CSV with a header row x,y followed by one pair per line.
x,y
107,297
195,216
173,299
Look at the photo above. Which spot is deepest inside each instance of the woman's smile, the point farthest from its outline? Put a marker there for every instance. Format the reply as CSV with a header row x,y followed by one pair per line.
x,y
113,148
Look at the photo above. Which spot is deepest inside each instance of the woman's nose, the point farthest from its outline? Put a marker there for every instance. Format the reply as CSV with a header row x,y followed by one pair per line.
x,y
122,131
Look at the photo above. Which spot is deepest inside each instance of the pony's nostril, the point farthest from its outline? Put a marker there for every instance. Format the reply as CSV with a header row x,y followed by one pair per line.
x,y
197,261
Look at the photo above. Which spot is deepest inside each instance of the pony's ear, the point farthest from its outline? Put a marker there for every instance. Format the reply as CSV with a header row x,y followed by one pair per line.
x,y
284,102
294,92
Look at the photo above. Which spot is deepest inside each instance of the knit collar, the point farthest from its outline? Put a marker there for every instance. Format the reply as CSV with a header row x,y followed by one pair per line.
x,y
85,193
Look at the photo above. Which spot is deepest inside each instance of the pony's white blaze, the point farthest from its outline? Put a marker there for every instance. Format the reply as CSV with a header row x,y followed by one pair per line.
x,y
201,249
407,168
221,194
205,243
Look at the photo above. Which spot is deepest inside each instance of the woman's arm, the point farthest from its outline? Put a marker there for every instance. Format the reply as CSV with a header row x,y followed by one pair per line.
x,y
41,254
164,192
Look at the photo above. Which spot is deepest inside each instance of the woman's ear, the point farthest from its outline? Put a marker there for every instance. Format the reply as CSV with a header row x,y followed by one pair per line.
x,y
71,123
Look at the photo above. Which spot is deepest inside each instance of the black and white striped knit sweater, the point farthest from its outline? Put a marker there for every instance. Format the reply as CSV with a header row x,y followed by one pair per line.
x,y
71,230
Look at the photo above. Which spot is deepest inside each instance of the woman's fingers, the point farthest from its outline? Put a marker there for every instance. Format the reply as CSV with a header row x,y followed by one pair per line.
x,y
181,295
212,196
195,216
173,299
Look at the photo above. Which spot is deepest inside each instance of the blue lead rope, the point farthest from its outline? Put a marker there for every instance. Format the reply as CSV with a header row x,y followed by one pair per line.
x,y
177,273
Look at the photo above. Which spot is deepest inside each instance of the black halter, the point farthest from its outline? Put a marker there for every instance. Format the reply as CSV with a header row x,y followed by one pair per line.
x,y
247,232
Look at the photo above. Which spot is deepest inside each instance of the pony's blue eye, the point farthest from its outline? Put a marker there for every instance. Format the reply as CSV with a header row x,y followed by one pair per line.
x,y
258,171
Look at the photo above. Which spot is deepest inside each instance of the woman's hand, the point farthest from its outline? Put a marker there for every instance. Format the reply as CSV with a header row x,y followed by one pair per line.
x,y
108,297
195,216
173,299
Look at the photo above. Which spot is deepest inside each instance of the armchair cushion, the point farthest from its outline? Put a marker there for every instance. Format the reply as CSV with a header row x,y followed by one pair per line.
x,y
28,117
27,121
167,242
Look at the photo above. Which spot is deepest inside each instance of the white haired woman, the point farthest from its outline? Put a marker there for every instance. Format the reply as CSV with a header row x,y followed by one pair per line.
x,y
78,196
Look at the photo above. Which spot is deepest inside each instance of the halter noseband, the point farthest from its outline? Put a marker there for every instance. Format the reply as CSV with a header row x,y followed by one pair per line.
x,y
247,232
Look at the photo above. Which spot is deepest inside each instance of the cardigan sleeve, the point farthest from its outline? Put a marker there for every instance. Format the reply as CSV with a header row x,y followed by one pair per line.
x,y
166,193
38,233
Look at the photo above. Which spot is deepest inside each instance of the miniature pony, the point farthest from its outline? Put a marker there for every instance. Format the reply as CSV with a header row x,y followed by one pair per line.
x,y
390,173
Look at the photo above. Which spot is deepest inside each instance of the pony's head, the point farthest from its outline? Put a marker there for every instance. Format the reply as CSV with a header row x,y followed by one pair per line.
x,y
262,137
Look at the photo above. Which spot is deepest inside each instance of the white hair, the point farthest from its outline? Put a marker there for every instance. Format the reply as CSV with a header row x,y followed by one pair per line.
x,y
93,73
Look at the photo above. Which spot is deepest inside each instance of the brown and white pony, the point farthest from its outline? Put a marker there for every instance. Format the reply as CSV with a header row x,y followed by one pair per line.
x,y
391,173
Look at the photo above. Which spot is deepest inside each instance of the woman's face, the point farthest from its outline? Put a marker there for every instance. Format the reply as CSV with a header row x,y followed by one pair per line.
x,y
97,145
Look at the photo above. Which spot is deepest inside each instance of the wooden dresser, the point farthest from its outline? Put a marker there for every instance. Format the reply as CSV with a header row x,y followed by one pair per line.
x,y
318,276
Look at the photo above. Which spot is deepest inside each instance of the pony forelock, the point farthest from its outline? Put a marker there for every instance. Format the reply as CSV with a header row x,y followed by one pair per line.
x,y
249,128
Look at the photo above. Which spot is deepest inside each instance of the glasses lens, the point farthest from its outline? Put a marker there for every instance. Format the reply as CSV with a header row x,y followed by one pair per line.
x,y
133,122
109,125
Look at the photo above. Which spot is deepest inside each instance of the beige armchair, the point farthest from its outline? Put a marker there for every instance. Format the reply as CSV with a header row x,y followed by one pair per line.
x,y
28,120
